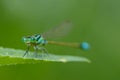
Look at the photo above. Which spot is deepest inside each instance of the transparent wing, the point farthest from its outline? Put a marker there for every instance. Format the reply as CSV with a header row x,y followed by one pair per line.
x,y
59,31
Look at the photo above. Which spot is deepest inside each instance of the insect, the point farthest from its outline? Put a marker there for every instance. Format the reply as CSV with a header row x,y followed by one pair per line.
x,y
38,41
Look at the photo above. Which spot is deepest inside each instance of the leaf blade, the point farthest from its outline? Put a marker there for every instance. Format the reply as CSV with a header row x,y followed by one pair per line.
x,y
10,56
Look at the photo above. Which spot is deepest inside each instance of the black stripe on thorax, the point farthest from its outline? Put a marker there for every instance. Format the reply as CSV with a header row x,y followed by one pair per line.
x,y
38,37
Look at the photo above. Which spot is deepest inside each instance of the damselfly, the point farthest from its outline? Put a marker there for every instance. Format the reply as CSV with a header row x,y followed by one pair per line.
x,y
38,41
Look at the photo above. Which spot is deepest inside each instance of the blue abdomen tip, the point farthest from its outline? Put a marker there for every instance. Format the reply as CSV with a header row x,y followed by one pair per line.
x,y
85,46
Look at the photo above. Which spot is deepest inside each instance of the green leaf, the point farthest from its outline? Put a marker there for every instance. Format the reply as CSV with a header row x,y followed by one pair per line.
x,y
10,56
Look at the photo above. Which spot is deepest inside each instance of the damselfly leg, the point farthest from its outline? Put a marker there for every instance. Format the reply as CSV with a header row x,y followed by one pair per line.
x,y
44,51
26,51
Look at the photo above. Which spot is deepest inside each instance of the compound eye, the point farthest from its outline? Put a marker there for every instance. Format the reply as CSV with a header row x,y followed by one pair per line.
x,y
24,39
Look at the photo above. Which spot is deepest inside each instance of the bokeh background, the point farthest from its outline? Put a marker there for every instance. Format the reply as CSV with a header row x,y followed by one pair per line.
x,y
95,21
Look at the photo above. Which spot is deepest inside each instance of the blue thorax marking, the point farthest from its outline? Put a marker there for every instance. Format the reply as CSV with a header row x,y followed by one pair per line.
x,y
37,37
40,40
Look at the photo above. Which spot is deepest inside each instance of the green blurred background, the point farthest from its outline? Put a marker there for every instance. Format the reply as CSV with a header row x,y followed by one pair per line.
x,y
95,21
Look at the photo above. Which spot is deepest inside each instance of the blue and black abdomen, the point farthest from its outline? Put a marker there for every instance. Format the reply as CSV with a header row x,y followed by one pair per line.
x,y
40,40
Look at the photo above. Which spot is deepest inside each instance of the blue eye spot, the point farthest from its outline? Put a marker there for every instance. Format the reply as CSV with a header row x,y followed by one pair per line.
x,y
85,46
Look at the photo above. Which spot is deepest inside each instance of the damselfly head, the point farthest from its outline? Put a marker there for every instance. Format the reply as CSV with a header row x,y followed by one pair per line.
x,y
28,40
